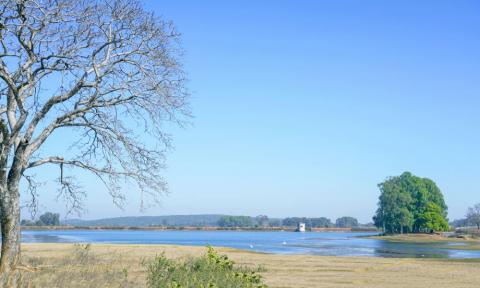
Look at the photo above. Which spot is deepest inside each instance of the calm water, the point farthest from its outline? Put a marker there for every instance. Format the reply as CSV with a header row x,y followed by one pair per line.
x,y
315,243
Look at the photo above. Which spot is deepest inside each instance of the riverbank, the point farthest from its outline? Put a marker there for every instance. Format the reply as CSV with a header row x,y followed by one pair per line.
x,y
461,242
114,262
426,238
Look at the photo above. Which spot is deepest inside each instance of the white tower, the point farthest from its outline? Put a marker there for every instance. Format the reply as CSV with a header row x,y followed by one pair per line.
x,y
301,227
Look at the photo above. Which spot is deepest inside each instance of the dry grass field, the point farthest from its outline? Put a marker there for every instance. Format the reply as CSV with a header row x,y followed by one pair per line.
x,y
66,265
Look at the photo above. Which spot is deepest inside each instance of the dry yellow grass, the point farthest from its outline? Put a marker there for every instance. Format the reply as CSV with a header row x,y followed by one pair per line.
x,y
281,270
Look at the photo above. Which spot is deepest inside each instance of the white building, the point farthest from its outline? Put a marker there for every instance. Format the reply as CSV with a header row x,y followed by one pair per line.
x,y
300,227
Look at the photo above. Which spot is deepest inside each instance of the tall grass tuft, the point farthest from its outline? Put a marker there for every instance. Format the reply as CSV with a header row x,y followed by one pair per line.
x,y
208,271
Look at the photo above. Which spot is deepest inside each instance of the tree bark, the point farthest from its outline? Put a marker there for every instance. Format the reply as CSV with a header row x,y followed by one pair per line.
x,y
10,251
10,219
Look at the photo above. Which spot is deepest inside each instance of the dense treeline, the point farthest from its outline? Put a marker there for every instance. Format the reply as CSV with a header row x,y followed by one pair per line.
x,y
322,222
200,220
46,219
53,219
264,221
346,221
408,203
247,221
235,221
309,222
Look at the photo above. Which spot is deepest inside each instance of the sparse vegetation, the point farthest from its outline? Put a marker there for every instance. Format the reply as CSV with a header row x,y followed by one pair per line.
x,y
210,270
79,268
473,215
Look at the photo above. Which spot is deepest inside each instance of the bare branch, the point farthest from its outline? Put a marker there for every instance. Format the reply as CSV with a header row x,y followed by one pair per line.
x,y
107,71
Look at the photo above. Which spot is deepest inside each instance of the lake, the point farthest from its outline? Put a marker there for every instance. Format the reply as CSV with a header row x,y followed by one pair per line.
x,y
312,243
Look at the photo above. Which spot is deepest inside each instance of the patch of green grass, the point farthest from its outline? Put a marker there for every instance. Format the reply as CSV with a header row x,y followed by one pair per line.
x,y
208,271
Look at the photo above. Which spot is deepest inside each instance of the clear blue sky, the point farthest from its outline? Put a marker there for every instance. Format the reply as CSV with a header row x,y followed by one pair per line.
x,y
303,107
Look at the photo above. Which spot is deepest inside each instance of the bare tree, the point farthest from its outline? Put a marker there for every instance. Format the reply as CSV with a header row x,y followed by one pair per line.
x,y
473,215
105,69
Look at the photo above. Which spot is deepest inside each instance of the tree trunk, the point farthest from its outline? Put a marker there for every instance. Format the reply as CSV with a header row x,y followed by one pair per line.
x,y
10,225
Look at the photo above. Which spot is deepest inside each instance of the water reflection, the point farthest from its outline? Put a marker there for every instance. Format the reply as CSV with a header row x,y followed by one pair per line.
x,y
415,250
39,238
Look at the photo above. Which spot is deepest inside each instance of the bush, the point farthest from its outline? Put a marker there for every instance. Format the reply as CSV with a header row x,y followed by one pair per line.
x,y
209,271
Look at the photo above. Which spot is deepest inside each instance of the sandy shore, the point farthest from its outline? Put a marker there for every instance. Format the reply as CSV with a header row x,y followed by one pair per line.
x,y
286,270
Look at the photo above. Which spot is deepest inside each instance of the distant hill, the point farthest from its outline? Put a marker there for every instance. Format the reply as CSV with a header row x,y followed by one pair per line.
x,y
145,221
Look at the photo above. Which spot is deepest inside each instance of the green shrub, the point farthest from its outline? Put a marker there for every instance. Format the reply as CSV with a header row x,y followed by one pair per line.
x,y
208,271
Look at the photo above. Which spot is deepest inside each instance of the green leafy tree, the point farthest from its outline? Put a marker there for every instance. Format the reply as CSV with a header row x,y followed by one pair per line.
x,y
432,219
46,219
404,219
49,219
408,203
393,214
